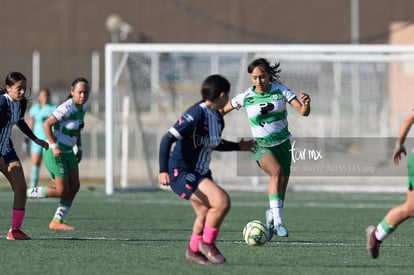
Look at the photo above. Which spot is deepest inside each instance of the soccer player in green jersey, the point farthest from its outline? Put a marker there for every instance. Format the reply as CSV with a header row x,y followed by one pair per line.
x,y
265,103
398,214
63,132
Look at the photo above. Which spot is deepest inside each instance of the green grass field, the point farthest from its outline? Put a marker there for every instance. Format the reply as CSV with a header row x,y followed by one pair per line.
x,y
147,233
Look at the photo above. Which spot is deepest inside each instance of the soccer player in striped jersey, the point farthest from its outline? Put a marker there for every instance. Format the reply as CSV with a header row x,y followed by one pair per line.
x,y
398,214
13,105
186,169
265,104
63,131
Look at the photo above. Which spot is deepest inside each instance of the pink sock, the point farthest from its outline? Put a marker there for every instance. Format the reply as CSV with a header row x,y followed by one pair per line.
x,y
210,234
195,241
17,218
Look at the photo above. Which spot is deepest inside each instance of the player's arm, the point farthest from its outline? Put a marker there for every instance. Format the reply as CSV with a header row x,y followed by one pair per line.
x,y
5,114
402,134
242,145
30,121
164,154
302,105
79,152
22,125
228,108
47,127
234,103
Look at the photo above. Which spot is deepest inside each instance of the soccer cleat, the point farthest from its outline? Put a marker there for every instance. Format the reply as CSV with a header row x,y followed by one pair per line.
x,y
269,223
373,244
17,235
196,257
55,225
281,230
212,253
34,193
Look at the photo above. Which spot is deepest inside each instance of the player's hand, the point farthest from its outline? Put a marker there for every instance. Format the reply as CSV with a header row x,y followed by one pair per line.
x,y
396,156
42,143
57,153
79,155
305,98
246,145
164,178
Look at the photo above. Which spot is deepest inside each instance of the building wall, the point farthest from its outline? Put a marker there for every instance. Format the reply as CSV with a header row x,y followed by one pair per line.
x,y
66,32
401,94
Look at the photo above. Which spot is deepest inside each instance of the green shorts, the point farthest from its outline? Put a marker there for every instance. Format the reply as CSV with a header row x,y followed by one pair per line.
x,y
58,167
410,167
281,152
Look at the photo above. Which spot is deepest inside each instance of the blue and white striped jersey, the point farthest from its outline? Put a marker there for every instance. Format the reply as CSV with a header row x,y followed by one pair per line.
x,y
198,133
10,114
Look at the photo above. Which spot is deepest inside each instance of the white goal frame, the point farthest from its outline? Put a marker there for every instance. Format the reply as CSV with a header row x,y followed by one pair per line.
x,y
283,52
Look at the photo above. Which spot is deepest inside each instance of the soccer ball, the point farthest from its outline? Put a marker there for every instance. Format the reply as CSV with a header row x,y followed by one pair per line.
x,y
255,233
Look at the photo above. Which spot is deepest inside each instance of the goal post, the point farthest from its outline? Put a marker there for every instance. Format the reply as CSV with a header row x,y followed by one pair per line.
x,y
356,90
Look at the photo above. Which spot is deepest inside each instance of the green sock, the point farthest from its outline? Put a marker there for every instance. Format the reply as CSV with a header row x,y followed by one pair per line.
x,y
387,228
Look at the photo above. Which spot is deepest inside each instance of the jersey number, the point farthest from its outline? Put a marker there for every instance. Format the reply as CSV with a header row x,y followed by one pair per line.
x,y
266,107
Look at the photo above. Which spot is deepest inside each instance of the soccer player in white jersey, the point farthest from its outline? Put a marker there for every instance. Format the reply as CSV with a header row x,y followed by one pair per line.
x,y
63,132
399,213
13,105
265,104
186,169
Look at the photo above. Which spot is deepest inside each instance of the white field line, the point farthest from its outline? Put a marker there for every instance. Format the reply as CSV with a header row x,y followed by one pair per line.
x,y
324,188
377,204
272,243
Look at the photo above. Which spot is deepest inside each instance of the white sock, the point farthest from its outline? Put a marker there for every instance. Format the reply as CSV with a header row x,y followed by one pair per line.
x,y
380,232
276,207
61,212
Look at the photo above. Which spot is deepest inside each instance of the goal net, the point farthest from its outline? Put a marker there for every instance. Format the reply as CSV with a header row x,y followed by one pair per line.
x,y
357,91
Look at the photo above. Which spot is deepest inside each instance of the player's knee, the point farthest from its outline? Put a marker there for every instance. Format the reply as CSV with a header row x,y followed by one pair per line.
x,y
59,192
224,204
227,207
276,175
409,211
275,172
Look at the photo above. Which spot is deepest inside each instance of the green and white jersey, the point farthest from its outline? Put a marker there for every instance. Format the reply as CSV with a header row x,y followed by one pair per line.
x,y
70,122
267,113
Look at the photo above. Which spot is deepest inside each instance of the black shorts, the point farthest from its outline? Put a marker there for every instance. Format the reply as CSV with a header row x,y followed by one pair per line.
x,y
184,183
11,157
